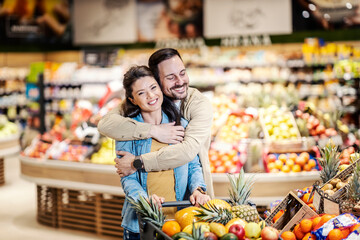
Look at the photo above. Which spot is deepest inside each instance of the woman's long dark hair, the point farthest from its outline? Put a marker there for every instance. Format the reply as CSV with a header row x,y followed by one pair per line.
x,y
131,110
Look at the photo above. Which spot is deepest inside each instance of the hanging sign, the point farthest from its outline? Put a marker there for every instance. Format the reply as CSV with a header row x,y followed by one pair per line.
x,y
104,22
242,17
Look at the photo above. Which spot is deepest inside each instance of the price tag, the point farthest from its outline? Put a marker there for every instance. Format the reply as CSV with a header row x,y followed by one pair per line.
x,y
331,207
316,201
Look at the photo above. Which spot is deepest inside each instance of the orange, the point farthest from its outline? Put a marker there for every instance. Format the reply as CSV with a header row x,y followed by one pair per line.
x,y
307,168
300,161
290,162
306,198
345,232
312,163
305,155
353,228
315,222
335,234
293,156
325,218
298,233
296,168
271,166
285,169
282,157
309,236
306,225
312,206
288,235
278,215
171,227
278,164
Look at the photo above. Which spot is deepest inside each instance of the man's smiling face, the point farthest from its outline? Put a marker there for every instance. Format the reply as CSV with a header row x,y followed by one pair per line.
x,y
173,77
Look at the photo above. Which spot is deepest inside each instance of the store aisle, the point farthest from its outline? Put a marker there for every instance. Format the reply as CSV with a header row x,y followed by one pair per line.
x,y
18,210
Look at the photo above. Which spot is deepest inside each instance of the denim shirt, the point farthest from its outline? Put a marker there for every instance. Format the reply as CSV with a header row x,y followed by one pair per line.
x,y
187,177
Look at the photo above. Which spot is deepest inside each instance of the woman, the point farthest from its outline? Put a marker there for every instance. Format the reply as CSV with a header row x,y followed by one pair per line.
x,y
145,103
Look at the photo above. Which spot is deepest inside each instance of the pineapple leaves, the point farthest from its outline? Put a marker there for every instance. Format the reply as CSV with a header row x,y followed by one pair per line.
x,y
354,184
329,161
148,210
240,188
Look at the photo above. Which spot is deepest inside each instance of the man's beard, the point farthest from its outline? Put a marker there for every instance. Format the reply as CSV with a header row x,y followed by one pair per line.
x,y
174,94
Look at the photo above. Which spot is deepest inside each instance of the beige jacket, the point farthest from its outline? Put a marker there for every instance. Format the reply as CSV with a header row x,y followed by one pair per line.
x,y
197,109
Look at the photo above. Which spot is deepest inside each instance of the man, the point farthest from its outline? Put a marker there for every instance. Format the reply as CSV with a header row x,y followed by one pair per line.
x,y
170,72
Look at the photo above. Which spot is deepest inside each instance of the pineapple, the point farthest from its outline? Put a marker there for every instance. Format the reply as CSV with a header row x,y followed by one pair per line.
x,y
148,211
329,161
354,185
213,213
239,193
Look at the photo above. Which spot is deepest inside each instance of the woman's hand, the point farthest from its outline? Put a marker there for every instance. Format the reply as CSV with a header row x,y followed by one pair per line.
x,y
157,200
198,197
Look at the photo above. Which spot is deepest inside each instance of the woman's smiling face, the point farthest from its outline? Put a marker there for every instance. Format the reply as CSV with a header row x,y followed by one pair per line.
x,y
147,94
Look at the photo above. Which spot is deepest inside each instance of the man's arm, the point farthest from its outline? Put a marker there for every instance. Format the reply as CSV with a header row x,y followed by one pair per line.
x,y
115,126
199,114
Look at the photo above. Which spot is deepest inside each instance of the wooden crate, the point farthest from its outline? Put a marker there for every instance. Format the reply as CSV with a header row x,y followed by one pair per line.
x,y
2,171
47,206
86,211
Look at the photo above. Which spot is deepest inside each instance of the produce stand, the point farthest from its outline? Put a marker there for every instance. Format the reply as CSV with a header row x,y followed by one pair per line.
x,y
8,146
88,197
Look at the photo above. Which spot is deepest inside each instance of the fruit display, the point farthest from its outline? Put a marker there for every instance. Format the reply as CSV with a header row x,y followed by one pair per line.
x,y
217,219
310,125
235,128
278,124
222,107
7,128
224,158
291,162
106,153
314,228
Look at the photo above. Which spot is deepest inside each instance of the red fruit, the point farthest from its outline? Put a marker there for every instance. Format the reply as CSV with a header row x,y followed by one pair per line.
x,y
238,230
269,233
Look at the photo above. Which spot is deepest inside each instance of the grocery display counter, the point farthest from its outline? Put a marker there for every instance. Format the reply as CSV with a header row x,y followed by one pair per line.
x,y
8,146
89,197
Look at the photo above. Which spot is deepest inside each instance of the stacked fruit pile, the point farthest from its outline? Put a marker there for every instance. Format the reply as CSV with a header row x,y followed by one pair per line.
x,y
308,229
217,219
279,124
7,128
309,124
291,162
224,158
106,154
235,129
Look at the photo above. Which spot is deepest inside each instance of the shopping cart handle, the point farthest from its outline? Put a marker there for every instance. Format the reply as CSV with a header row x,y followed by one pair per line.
x,y
184,203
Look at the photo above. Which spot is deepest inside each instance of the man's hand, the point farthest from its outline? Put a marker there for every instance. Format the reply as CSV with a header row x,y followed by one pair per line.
x,y
157,200
124,165
198,197
167,133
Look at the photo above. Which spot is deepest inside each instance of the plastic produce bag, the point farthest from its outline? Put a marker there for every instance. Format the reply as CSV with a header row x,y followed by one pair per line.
x,y
343,221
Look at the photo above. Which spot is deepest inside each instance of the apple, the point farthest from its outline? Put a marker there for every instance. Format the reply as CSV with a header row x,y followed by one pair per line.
x,y
238,230
210,236
269,233
252,230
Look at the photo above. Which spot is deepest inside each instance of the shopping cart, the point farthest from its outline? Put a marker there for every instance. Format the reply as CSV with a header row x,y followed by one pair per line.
x,y
149,231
